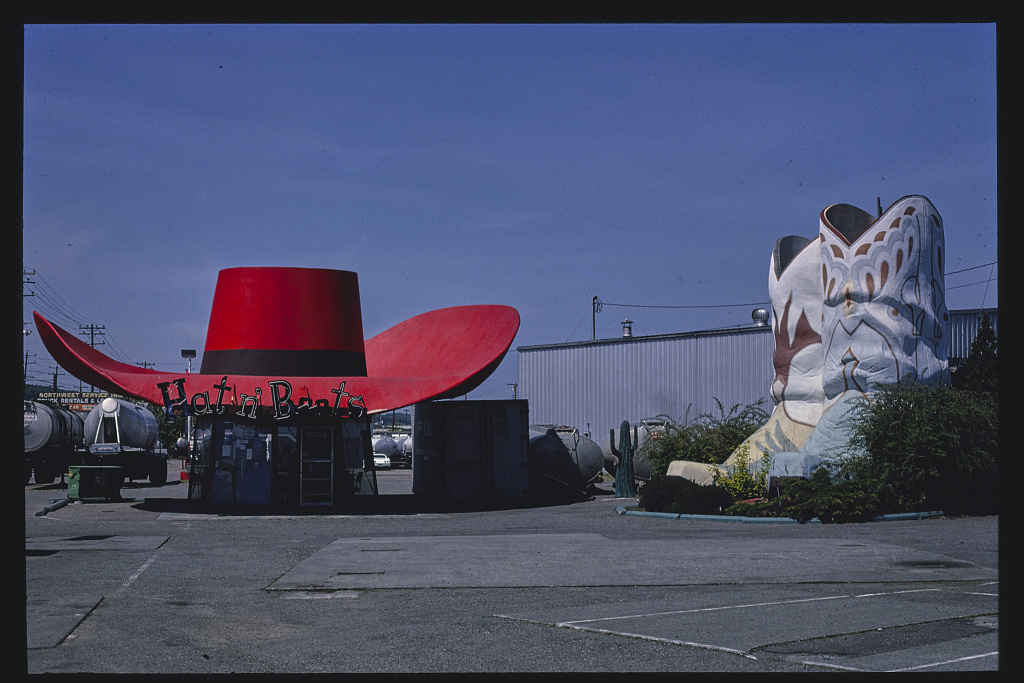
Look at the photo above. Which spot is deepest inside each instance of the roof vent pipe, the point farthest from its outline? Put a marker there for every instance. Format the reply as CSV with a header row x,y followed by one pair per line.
x,y
627,328
760,317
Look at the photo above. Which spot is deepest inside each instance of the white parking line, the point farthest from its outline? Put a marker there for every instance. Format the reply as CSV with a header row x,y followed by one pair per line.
x,y
832,666
948,661
655,639
753,604
575,625
351,595
639,636
137,573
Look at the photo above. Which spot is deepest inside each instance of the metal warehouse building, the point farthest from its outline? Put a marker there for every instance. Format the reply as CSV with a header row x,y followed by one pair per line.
x,y
595,385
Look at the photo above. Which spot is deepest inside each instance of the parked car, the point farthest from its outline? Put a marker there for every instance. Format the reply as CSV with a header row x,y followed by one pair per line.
x,y
381,461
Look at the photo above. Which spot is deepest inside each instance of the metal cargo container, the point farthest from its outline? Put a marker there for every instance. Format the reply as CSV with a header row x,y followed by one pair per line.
x,y
470,449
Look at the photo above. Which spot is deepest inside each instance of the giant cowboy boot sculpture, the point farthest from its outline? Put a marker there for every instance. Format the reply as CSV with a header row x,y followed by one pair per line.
x,y
884,318
794,277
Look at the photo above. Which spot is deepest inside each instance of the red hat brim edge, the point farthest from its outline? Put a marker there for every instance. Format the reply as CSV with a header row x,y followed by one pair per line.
x,y
438,354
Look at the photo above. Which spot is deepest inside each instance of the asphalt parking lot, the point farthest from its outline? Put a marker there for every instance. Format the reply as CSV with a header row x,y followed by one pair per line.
x,y
154,585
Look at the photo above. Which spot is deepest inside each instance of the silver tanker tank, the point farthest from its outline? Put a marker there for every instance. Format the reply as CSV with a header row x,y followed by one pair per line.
x,y
52,437
122,422
49,425
403,451
119,432
385,445
561,459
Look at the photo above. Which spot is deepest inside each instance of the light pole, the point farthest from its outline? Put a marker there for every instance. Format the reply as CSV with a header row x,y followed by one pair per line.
x,y
188,354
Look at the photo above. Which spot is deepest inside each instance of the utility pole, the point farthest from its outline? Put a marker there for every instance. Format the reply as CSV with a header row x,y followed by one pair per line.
x,y
515,388
593,317
93,330
145,364
56,371
26,281
28,363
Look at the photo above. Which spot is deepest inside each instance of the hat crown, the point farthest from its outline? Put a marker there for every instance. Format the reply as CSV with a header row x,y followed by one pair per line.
x,y
285,321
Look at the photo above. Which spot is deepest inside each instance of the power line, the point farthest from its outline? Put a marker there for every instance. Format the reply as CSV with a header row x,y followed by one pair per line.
x,y
65,312
765,303
971,284
964,270
759,303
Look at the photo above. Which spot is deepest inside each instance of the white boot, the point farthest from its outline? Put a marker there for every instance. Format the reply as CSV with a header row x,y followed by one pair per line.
x,y
884,318
794,287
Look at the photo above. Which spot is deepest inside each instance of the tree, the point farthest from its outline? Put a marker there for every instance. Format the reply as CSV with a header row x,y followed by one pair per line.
x,y
979,372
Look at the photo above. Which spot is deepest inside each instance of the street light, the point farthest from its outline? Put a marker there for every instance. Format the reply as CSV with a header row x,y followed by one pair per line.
x,y
189,354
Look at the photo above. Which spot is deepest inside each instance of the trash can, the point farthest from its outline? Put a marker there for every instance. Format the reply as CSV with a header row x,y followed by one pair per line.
x,y
95,482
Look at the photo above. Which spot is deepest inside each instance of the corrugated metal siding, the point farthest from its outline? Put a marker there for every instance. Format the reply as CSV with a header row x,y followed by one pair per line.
x,y
594,386
963,328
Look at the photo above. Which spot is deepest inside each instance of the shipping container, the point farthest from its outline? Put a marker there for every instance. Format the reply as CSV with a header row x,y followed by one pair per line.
x,y
470,449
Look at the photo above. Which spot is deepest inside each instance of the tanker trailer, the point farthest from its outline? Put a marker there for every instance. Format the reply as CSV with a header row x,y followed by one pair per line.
x,y
561,460
53,437
403,453
384,445
122,433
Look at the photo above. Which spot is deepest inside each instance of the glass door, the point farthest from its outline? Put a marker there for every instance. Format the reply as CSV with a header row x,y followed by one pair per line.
x,y
316,456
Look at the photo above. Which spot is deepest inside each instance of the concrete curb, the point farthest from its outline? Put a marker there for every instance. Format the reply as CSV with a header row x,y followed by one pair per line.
x,y
631,510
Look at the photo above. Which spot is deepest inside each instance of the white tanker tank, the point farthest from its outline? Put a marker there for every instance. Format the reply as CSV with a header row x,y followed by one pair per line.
x,y
403,451
119,432
385,445
53,436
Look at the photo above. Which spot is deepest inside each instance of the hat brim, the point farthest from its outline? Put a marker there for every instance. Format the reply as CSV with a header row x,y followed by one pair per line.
x,y
438,354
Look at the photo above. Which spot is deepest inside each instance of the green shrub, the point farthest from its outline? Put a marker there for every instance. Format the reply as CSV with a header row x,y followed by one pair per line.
x,y
740,482
928,447
838,502
759,508
709,438
682,496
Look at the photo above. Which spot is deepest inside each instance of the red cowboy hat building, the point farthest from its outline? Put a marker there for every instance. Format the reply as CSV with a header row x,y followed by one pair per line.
x,y
287,382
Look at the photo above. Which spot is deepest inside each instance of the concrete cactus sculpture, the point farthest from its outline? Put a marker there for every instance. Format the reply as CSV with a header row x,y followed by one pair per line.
x,y
625,483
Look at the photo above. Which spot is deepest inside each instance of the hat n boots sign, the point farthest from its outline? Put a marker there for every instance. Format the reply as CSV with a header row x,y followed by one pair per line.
x,y
283,342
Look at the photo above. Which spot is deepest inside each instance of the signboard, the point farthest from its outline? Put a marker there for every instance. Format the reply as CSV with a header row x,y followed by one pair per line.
x,y
343,404
80,401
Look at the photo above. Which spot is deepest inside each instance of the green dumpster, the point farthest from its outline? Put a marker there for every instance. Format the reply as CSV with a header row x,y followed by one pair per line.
x,y
95,482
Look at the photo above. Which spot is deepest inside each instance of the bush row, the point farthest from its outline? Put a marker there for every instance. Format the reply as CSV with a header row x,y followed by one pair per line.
x,y
912,448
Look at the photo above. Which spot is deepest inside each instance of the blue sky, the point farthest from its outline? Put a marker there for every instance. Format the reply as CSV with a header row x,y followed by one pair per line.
x,y
536,166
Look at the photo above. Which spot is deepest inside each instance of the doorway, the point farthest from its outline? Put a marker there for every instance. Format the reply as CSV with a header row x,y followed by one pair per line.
x,y
316,455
